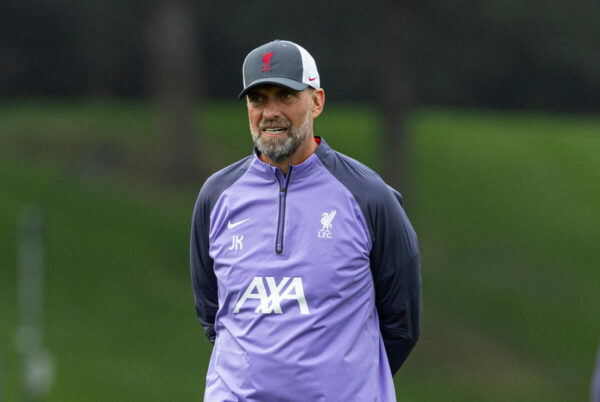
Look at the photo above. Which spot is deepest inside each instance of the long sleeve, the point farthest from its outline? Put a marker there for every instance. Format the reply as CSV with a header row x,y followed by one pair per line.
x,y
394,257
204,282
395,263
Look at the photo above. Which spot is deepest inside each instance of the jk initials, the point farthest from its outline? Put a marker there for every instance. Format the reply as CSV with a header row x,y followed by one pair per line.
x,y
236,242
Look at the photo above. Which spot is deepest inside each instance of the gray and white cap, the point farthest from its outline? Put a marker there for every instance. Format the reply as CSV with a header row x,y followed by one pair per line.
x,y
280,62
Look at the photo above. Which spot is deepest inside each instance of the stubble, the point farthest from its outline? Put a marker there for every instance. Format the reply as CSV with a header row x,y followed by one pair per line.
x,y
279,149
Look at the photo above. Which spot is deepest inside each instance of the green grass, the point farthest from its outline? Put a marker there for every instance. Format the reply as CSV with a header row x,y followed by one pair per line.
x,y
119,317
505,205
508,207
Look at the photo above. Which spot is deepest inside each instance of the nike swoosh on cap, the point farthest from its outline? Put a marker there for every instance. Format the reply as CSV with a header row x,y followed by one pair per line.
x,y
232,225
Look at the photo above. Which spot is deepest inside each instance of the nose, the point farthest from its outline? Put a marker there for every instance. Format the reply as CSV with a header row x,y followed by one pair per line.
x,y
271,110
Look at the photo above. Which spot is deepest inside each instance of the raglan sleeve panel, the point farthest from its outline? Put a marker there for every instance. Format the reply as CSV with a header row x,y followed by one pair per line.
x,y
395,265
204,280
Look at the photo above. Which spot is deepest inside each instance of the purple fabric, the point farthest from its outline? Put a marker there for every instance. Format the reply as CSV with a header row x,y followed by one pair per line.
x,y
595,397
301,325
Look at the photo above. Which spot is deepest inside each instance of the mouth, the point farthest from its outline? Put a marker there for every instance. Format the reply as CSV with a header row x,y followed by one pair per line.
x,y
274,131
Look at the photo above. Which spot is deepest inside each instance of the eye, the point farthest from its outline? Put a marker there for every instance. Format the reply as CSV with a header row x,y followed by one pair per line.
x,y
288,94
255,98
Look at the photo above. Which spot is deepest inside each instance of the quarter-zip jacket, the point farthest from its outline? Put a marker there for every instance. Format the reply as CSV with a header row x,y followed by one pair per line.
x,y
308,284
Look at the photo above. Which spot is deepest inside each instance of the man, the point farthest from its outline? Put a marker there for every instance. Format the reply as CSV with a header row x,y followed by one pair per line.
x,y
305,267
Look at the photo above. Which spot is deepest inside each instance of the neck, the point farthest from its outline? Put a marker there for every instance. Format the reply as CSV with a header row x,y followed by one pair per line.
x,y
307,148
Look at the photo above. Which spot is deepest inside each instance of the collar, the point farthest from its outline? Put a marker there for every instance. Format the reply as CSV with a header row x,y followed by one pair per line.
x,y
300,171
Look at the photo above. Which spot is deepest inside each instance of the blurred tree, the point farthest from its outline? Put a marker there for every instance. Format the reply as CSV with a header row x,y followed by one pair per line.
x,y
394,73
488,53
176,68
508,54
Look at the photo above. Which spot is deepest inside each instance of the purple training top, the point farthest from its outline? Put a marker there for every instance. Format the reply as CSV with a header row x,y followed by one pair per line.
x,y
308,284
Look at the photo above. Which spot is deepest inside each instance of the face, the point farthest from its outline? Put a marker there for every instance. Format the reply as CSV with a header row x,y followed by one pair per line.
x,y
280,119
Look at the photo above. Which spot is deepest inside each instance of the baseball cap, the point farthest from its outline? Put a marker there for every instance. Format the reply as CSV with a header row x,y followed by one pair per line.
x,y
280,62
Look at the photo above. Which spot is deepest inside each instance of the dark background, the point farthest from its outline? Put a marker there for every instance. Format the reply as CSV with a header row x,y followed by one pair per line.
x,y
500,54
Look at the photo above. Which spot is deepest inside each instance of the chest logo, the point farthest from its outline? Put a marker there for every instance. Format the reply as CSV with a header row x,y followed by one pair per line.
x,y
326,219
271,296
231,225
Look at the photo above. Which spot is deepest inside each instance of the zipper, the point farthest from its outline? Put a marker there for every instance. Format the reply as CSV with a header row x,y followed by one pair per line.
x,y
281,219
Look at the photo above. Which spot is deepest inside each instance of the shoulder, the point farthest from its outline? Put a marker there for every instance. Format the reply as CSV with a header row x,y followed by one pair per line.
x,y
380,204
220,181
363,182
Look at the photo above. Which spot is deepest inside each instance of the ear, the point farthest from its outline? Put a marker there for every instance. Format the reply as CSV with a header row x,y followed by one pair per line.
x,y
318,101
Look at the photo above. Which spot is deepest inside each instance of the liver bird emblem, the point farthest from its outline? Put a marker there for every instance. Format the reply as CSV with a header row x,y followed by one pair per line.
x,y
266,61
326,219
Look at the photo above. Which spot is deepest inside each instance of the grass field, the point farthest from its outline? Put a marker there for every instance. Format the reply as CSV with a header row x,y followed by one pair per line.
x,y
506,206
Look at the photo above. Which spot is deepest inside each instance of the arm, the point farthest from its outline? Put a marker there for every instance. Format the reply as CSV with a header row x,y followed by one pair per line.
x,y
204,281
395,263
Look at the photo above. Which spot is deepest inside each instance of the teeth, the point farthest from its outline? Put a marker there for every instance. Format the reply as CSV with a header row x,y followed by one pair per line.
x,y
275,130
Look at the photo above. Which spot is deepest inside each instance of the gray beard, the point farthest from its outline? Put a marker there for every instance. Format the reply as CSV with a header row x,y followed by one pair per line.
x,y
278,150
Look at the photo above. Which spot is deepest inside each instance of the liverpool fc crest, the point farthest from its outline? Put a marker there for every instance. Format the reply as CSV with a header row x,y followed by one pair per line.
x,y
326,218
